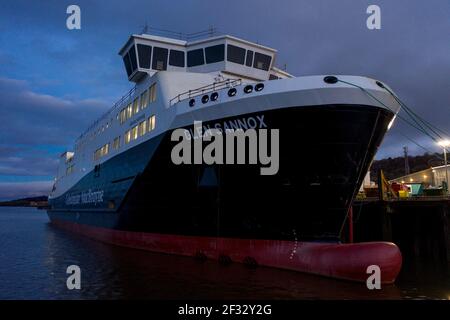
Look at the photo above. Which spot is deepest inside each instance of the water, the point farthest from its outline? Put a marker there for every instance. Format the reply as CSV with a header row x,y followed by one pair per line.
x,y
34,256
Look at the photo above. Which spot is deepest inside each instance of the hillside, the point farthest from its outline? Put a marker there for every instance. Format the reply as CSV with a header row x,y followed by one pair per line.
x,y
26,202
395,167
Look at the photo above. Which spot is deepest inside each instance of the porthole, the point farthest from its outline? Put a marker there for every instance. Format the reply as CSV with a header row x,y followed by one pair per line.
x,y
330,79
205,98
214,96
191,102
232,92
259,87
381,85
248,89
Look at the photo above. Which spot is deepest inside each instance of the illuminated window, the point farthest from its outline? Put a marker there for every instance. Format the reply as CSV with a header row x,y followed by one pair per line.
x,y
123,116
152,93
116,143
151,123
142,128
103,151
135,106
127,137
129,111
144,99
134,133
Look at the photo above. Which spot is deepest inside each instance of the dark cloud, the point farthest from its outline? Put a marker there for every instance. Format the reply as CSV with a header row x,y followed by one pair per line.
x,y
34,119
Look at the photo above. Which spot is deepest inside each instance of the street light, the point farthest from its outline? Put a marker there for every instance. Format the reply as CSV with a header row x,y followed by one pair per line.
x,y
444,144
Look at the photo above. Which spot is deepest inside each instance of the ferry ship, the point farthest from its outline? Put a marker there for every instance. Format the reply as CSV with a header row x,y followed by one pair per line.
x,y
119,184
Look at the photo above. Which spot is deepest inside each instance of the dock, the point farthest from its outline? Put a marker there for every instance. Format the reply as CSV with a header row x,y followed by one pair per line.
x,y
419,226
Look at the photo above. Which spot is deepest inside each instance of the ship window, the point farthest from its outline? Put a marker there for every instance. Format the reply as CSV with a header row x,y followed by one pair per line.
x,y
100,152
127,62
215,53
144,99
127,137
151,123
144,54
235,54
176,58
273,77
123,116
132,53
249,58
261,61
116,143
129,111
135,106
134,133
152,94
142,128
160,58
195,58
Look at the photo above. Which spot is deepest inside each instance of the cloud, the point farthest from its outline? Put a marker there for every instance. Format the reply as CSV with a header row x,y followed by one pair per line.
x,y
32,118
35,128
15,190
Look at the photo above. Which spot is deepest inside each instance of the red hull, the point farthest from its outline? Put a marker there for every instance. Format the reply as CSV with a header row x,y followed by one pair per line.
x,y
341,261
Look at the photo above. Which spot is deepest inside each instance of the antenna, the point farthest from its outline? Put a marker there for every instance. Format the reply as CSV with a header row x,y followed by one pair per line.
x,y
144,28
405,152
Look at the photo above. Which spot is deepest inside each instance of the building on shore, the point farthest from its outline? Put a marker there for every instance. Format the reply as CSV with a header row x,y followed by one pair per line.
x,y
433,176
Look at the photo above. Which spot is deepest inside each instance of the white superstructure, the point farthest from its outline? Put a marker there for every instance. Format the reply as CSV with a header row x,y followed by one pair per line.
x,y
171,79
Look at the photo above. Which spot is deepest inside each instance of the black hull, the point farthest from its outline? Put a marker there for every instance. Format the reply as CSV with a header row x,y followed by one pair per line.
x,y
325,152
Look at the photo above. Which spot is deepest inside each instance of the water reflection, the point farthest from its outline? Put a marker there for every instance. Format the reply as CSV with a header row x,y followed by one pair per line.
x,y
110,272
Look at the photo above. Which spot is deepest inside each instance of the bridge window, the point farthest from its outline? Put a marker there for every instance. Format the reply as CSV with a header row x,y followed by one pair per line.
x,y
273,77
127,62
235,54
261,61
132,53
249,58
215,53
176,58
195,57
145,54
160,58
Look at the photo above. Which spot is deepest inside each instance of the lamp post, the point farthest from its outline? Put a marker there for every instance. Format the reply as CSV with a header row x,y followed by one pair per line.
x,y
444,144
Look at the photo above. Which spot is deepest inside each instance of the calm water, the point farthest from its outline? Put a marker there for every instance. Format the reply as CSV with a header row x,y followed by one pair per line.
x,y
34,256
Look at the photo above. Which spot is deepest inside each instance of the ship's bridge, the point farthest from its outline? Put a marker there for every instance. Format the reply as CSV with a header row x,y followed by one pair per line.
x,y
146,54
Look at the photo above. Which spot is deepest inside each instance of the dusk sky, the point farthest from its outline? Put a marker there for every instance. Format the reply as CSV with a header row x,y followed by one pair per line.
x,y
55,81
